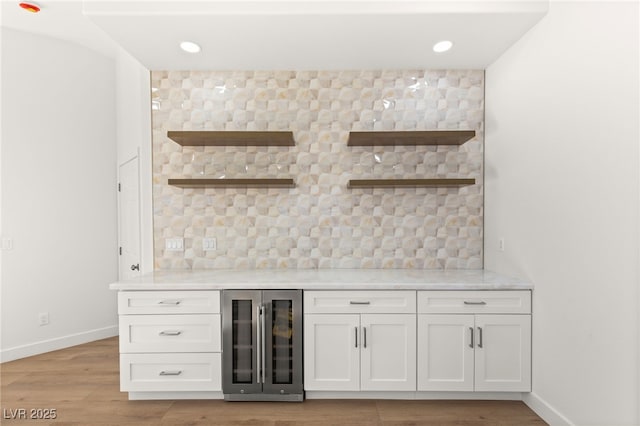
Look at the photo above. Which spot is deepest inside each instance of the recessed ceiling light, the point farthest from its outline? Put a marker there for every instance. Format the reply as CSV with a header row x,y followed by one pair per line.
x,y
442,46
30,7
189,46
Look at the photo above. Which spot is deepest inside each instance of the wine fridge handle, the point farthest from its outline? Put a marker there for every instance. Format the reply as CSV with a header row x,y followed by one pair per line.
x,y
264,339
258,343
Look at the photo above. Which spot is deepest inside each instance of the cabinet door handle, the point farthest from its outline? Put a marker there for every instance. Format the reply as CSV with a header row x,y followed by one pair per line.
x,y
170,333
482,302
471,336
263,325
356,329
258,343
480,337
364,337
170,302
171,373
355,302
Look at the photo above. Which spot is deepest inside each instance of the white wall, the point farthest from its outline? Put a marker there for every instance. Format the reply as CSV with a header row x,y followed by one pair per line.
x,y
58,194
562,189
133,106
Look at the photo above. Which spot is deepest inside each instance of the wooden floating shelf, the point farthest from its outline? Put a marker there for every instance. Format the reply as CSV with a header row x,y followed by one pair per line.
x,y
408,183
215,183
421,137
231,138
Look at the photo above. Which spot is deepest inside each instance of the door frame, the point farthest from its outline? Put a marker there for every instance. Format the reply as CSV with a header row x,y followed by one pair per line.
x,y
135,158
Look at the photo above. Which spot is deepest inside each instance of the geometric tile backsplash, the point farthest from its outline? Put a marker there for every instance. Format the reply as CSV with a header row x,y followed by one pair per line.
x,y
320,223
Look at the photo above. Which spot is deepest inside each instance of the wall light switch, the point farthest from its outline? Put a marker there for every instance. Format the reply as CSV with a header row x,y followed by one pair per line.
x,y
208,244
6,244
174,244
43,318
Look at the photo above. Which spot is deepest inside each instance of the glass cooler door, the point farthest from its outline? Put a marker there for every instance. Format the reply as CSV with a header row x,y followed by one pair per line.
x,y
283,341
241,342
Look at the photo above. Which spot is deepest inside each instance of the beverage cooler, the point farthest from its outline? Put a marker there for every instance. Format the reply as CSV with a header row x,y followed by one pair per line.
x,y
262,345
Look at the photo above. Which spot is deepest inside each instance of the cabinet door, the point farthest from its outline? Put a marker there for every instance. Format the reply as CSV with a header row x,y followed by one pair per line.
x,y
388,352
503,353
445,352
331,352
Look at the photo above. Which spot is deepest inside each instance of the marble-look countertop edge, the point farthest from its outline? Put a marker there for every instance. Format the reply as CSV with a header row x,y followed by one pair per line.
x,y
362,279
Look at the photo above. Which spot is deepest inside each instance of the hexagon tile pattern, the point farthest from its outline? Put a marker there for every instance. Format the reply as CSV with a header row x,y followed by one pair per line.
x,y
320,223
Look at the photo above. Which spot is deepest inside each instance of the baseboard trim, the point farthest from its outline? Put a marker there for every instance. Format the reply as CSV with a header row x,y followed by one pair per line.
x,y
545,410
49,345
142,396
410,395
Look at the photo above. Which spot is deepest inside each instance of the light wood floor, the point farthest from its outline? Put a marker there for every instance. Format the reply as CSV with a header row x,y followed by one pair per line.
x,y
81,384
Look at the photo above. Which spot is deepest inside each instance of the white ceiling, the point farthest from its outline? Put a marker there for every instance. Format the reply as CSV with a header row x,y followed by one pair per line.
x,y
293,34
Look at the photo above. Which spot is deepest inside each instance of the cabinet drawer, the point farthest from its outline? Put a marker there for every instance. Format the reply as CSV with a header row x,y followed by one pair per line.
x,y
169,302
170,372
374,302
170,333
475,302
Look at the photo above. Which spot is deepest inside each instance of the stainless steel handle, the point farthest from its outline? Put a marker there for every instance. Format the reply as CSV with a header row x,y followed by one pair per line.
x,y
170,302
264,339
356,329
364,337
258,343
171,373
135,267
170,333
482,302
480,337
355,302
471,335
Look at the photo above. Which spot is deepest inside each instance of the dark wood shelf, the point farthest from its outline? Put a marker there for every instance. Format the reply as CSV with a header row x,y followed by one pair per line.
x,y
252,182
420,137
408,183
231,138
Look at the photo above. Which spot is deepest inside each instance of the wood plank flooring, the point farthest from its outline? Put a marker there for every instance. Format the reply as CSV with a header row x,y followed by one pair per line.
x,y
82,384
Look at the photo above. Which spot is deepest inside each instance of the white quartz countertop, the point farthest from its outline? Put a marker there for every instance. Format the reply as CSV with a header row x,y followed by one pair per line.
x,y
323,279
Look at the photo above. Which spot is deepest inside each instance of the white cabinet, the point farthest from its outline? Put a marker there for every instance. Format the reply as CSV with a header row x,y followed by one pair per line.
x,y
357,347
388,352
170,341
331,352
472,348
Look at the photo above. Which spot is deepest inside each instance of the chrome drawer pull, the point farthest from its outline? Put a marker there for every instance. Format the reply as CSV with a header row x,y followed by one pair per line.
x,y
354,302
170,333
466,302
171,373
170,302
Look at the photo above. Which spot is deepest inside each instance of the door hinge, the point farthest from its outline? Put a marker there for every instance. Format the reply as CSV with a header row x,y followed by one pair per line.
x,y
119,187
120,250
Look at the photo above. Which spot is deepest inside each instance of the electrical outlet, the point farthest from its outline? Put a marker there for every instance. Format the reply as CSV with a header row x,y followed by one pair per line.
x,y
501,244
43,318
174,244
208,244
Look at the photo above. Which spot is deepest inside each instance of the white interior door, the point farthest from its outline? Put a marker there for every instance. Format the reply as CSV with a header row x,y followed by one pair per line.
x,y
129,218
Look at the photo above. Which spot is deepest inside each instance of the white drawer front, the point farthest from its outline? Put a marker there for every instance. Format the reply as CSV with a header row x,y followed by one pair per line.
x,y
169,302
374,302
169,333
170,372
475,302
